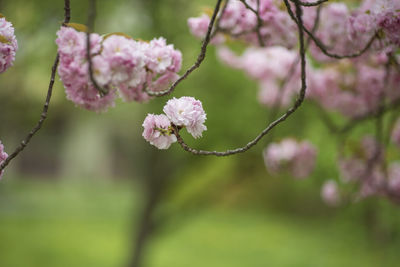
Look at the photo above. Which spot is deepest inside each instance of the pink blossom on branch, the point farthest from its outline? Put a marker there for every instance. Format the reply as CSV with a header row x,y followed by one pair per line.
x,y
8,45
123,66
3,157
158,131
187,112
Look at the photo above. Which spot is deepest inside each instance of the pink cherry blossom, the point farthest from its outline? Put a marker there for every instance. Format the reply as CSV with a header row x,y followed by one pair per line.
x,y
198,26
158,131
394,178
3,156
330,193
73,70
187,112
396,133
8,45
119,64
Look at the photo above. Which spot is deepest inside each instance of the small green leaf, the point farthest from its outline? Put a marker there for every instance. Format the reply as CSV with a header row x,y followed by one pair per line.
x,y
78,26
117,33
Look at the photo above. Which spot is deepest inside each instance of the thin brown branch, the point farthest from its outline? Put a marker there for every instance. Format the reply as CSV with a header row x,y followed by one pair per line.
x,y
249,7
323,47
90,25
259,21
258,27
218,20
296,105
283,87
43,115
316,3
199,60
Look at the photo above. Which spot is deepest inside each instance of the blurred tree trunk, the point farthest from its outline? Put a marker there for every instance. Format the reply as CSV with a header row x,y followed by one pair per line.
x,y
153,184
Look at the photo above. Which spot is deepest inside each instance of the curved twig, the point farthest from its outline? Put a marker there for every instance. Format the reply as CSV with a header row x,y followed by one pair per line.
x,y
199,60
322,46
43,115
316,3
296,105
90,25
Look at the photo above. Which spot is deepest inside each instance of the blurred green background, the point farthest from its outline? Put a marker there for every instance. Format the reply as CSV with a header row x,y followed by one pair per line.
x,y
76,196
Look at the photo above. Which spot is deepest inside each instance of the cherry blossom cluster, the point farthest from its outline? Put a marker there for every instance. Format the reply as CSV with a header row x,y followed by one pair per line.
x,y
185,112
346,31
366,167
355,86
3,156
8,44
121,65
341,29
239,22
297,157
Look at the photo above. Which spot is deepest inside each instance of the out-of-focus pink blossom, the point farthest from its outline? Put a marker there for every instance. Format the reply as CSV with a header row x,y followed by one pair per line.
x,y
330,193
270,66
365,167
8,45
198,26
239,22
187,112
394,178
396,133
158,131
297,157
3,157
353,87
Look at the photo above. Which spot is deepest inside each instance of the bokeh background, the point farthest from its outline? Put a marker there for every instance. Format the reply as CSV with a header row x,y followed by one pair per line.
x,y
89,189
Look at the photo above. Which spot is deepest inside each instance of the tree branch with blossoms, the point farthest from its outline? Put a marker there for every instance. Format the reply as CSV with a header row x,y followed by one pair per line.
x,y
96,69
290,111
43,115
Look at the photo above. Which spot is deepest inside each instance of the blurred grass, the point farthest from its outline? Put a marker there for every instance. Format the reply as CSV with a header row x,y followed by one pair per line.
x,y
69,224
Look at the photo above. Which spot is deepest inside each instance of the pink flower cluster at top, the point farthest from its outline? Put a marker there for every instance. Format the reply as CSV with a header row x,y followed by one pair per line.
x,y
239,22
8,44
3,156
345,31
341,30
297,157
120,64
182,112
352,87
